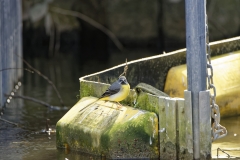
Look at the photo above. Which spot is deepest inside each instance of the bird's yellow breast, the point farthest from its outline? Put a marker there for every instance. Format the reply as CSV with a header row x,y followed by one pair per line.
x,y
121,95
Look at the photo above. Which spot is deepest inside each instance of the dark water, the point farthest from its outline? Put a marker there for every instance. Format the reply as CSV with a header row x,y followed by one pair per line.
x,y
30,141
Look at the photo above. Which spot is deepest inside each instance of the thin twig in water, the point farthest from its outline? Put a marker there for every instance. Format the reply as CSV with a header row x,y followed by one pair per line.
x,y
45,77
8,121
223,152
30,99
92,22
17,124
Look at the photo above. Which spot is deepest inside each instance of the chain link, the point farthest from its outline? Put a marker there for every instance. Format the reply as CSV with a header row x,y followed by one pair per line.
x,y
218,131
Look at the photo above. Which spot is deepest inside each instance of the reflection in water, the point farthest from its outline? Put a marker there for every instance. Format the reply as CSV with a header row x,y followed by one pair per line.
x,y
230,143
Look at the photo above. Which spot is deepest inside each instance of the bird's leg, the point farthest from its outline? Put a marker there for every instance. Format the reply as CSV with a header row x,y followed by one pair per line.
x,y
119,105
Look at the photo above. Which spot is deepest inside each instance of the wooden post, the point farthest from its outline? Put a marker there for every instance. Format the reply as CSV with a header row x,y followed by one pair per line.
x,y
162,128
1,50
19,38
183,130
205,124
10,46
188,118
171,128
182,145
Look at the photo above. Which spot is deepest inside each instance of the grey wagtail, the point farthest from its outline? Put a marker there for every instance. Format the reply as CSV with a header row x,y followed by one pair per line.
x,y
118,91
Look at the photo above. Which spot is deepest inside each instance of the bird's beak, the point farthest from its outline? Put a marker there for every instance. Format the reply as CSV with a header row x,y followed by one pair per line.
x,y
124,82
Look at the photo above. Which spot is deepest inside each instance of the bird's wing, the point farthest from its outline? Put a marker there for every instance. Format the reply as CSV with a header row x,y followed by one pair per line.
x,y
113,89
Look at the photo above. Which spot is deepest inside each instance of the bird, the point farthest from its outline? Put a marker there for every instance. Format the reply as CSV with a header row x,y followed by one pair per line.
x,y
118,91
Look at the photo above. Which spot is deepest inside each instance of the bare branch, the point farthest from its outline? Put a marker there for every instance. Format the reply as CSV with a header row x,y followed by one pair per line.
x,y
92,22
8,121
45,77
30,99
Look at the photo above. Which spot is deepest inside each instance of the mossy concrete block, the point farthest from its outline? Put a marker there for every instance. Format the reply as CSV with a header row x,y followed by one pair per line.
x,y
102,128
147,102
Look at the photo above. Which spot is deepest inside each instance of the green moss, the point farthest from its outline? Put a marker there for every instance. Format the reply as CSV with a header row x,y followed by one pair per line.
x,y
105,139
86,89
148,102
59,136
100,129
135,136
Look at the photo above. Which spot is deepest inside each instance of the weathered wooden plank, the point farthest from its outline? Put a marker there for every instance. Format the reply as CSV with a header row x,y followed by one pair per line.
x,y
1,53
205,124
181,128
188,116
10,29
171,128
162,127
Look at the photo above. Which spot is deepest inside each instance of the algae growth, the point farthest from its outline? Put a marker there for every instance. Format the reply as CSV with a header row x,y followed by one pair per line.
x,y
99,127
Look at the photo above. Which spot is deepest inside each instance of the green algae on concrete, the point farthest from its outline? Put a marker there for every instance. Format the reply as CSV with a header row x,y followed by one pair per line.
x,y
148,102
92,89
100,127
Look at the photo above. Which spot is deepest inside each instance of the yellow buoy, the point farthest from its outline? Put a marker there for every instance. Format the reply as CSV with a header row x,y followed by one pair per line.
x,y
226,69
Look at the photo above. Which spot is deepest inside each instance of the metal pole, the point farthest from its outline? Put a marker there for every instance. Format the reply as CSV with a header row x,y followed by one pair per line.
x,y
196,61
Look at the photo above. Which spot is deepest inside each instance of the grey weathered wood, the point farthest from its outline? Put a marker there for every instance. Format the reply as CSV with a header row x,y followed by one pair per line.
x,y
196,60
171,128
188,116
205,124
181,127
1,49
162,128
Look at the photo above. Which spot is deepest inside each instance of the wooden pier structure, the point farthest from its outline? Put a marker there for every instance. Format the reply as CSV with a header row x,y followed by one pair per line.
x,y
10,46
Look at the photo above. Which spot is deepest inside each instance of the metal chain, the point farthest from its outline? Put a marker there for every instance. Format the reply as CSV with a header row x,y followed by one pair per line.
x,y
218,131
